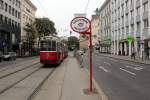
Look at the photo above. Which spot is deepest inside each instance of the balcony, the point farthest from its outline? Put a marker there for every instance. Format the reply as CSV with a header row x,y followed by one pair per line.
x,y
137,3
145,15
144,1
138,18
132,21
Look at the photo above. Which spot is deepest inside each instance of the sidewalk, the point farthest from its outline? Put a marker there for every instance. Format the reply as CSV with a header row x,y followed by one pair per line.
x,y
127,58
67,83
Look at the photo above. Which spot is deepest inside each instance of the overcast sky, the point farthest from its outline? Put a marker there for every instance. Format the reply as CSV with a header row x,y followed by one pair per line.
x,y
62,11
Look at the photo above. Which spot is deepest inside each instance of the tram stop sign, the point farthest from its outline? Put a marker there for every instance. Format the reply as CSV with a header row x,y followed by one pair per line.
x,y
80,24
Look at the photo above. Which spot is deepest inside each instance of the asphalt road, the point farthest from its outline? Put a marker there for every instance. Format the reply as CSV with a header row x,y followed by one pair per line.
x,y
121,80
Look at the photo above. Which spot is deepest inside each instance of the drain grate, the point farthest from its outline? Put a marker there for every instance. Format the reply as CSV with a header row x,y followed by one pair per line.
x,y
88,92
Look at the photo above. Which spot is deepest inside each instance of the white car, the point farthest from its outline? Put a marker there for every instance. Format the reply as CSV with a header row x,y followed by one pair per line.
x,y
9,56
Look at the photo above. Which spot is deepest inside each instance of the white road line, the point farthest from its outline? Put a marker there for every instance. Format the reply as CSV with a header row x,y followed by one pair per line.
x,y
113,59
135,68
128,71
107,63
104,69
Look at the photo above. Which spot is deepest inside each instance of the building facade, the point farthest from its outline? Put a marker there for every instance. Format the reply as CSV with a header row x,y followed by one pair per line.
x,y
10,19
105,27
28,11
130,26
95,24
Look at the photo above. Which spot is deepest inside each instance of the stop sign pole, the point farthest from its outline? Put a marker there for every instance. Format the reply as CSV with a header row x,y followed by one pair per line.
x,y
82,25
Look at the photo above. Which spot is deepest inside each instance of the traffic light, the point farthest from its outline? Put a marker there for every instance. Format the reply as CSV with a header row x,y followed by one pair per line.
x,y
70,32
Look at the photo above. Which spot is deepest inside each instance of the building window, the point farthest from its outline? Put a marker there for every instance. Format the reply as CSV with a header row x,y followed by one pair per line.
x,y
138,11
10,9
145,7
1,18
19,4
9,21
6,20
146,24
1,4
6,5
13,11
16,13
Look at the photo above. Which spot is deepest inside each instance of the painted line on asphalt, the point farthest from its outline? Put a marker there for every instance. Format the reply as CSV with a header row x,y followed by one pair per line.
x,y
113,59
107,63
104,69
135,68
128,71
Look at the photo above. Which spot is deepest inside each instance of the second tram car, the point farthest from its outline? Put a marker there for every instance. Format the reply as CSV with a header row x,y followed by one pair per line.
x,y
52,50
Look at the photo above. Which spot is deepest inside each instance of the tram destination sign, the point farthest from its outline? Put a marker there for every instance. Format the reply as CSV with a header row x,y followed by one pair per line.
x,y
80,24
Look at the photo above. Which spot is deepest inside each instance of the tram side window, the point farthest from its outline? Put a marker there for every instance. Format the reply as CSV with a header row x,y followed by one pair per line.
x,y
44,46
53,46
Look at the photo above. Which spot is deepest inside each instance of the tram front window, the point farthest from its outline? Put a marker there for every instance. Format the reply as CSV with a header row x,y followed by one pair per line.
x,y
48,46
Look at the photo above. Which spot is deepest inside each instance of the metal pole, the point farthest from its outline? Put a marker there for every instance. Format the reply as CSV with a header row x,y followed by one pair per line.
x,y
91,72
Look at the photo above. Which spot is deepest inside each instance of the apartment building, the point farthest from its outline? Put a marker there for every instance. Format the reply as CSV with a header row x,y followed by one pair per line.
x,y
9,25
105,26
95,24
130,26
28,10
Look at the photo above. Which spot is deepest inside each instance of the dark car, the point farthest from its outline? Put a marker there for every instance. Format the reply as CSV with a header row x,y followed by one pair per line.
x,y
9,56
1,56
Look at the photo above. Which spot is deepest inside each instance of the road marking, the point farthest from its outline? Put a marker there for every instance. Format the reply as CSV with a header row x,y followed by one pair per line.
x,y
128,71
113,59
107,63
104,69
135,68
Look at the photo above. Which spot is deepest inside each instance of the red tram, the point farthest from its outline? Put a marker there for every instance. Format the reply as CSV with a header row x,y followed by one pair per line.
x,y
52,50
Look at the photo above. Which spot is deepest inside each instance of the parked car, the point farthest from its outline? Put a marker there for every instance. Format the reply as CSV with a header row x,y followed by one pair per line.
x,y
9,56
1,56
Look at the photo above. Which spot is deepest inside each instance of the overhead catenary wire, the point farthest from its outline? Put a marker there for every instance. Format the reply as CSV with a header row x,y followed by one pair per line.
x,y
43,8
86,7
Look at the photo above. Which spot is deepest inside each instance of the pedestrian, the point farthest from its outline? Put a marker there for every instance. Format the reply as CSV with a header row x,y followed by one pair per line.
x,y
133,53
82,60
147,53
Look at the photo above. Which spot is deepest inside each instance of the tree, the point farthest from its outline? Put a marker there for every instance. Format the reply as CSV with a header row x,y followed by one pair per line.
x,y
30,37
44,27
73,42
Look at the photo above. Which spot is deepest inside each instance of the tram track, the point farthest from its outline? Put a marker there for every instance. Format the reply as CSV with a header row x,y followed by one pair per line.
x,y
4,68
5,74
13,84
30,83
39,86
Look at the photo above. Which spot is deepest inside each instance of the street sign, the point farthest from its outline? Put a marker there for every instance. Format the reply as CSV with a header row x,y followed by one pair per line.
x,y
3,43
80,24
83,36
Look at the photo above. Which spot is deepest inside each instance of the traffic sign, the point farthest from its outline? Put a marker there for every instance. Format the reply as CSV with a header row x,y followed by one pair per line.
x,y
80,24
3,43
83,36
